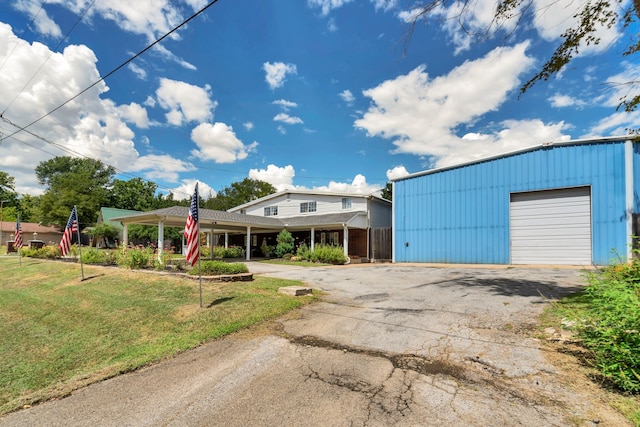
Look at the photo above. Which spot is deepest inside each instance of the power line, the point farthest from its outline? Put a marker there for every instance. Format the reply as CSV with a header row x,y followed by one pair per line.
x,y
119,67
33,19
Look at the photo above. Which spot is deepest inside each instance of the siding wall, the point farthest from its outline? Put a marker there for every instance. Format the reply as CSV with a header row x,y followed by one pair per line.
x,y
461,215
324,205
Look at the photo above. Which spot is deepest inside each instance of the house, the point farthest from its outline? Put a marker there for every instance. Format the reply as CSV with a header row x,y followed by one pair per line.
x,y
30,232
359,223
106,216
345,219
568,202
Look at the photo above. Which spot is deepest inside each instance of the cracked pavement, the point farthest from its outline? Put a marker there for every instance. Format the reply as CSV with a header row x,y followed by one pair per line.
x,y
387,345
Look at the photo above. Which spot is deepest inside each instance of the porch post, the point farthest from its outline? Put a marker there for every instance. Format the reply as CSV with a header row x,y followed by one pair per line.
x,y
226,239
248,243
313,238
125,234
346,240
160,239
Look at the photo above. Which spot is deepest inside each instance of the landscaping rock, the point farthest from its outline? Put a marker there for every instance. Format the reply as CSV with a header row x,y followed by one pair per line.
x,y
295,290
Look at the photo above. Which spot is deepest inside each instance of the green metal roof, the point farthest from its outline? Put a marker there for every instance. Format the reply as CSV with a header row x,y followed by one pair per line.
x,y
107,214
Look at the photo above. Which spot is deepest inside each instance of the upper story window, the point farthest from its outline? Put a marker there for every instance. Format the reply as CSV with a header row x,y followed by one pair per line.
x,y
271,211
306,207
346,203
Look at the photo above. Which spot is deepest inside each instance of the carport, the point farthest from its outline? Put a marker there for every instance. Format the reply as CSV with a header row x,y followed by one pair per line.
x,y
214,222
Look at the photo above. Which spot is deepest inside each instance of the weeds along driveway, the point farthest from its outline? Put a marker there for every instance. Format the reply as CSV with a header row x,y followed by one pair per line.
x,y
387,345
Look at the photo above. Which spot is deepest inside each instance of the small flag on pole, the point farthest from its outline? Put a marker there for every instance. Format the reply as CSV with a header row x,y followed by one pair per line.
x,y
17,241
191,230
72,227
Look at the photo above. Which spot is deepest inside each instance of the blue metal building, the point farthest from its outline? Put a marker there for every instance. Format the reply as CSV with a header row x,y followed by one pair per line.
x,y
558,203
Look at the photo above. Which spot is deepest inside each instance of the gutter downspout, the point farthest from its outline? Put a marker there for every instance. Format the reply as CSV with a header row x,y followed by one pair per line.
x,y
629,191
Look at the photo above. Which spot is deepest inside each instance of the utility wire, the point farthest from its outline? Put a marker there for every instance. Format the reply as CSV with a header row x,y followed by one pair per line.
x,y
75,24
119,67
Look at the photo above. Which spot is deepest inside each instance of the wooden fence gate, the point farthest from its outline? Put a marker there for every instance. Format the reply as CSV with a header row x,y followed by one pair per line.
x,y
380,240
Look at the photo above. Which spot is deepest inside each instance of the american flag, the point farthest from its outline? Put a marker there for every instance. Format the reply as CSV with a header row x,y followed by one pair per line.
x,y
191,231
17,241
72,227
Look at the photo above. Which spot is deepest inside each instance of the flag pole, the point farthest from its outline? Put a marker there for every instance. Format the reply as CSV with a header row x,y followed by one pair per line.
x,y
198,235
20,248
79,241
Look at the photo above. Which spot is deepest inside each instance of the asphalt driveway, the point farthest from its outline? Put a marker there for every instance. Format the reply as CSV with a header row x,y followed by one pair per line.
x,y
388,345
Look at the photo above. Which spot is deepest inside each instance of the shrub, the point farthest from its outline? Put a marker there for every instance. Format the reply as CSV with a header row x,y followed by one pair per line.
x,y
285,243
135,258
610,327
94,256
45,252
322,253
220,252
216,268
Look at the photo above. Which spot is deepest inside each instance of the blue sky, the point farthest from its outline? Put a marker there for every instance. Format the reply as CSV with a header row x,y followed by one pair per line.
x,y
317,94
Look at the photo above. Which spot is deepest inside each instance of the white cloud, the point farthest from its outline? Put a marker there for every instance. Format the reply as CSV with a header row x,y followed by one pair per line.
x,y
550,18
615,124
359,185
397,172
138,71
185,190
91,125
162,167
384,4
624,84
347,96
150,19
331,25
185,102
400,106
281,129
136,114
280,177
561,101
286,105
285,118
327,6
276,73
219,143
248,126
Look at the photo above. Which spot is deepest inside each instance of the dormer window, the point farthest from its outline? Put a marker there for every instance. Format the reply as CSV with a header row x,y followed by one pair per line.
x,y
346,203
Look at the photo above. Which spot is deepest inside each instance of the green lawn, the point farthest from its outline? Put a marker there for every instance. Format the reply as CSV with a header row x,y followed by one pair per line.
x,y
60,333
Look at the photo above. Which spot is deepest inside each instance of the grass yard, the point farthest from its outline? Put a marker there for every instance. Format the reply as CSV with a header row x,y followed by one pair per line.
x,y
60,333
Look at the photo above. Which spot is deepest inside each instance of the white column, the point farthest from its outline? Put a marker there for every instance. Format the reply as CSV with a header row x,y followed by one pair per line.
x,y
313,238
160,239
345,244
248,243
226,240
125,235
629,191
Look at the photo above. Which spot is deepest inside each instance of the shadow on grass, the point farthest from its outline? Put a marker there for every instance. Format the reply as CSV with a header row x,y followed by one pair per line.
x,y
219,301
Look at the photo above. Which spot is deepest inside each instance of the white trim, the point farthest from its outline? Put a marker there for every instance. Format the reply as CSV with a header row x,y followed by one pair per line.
x,y
629,190
393,221
626,138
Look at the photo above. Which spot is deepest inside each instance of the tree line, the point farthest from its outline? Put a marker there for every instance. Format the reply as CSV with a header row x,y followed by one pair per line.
x,y
90,185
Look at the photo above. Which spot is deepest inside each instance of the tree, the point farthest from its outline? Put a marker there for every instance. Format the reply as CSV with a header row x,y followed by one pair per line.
x,y
73,181
102,231
135,194
7,188
285,243
593,15
239,193
387,191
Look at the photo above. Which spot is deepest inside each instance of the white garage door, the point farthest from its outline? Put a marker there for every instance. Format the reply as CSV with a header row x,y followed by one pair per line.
x,y
551,227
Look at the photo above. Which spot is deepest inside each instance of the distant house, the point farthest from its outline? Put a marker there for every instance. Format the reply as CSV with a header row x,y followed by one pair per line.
x,y
106,216
30,231
361,224
570,202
